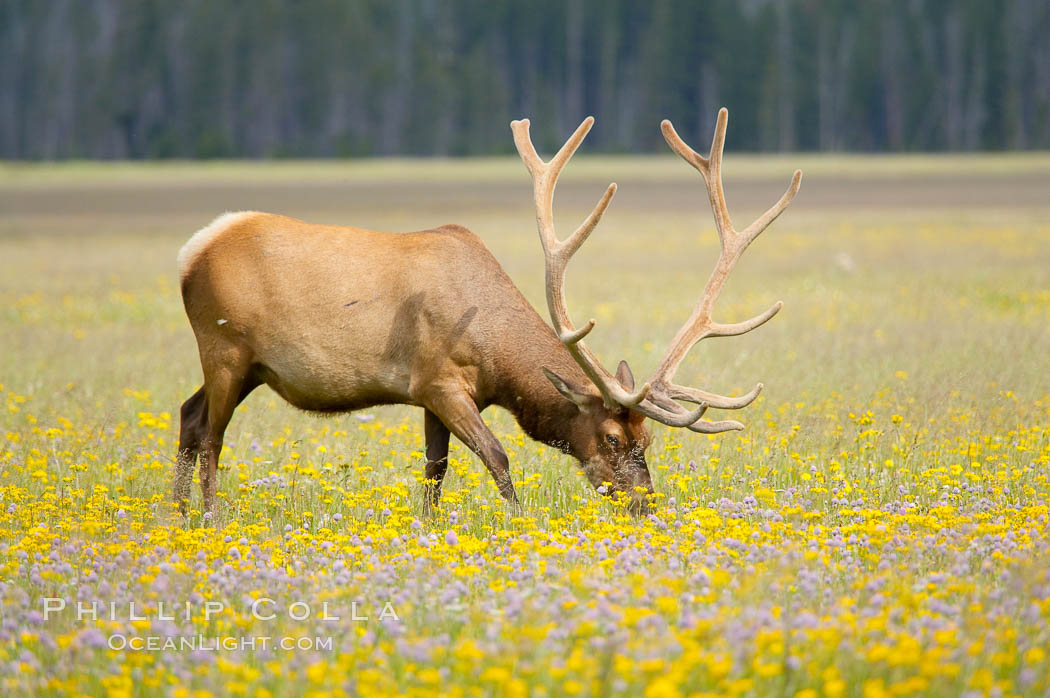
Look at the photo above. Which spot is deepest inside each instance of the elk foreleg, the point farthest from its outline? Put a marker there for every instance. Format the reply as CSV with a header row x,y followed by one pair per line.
x,y
457,411
437,459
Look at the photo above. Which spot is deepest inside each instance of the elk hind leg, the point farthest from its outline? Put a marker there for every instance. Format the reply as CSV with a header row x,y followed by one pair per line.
x,y
226,385
192,427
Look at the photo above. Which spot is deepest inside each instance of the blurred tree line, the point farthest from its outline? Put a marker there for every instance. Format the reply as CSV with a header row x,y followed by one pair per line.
x,y
272,78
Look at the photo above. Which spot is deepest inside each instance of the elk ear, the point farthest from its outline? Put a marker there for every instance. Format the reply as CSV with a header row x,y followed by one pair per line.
x,y
624,375
571,392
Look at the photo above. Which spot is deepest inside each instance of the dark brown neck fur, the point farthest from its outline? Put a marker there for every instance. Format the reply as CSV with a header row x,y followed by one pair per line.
x,y
522,389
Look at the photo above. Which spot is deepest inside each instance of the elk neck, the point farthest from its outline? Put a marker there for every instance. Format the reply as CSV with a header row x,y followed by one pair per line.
x,y
522,389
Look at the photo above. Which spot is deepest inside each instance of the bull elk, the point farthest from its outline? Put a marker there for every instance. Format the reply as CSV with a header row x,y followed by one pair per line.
x,y
336,319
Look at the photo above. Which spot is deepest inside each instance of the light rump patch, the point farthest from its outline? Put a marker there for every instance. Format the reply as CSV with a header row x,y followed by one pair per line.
x,y
203,237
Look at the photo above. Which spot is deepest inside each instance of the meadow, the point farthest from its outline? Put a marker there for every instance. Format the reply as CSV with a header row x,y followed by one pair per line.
x,y
881,528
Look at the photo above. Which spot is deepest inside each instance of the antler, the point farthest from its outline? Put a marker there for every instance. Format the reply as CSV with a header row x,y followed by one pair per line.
x,y
557,254
733,243
657,398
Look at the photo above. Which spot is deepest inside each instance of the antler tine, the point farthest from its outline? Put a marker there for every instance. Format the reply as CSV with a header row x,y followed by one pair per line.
x,y
580,235
721,402
523,142
716,193
762,222
710,168
667,411
681,148
545,177
557,254
705,427
662,408
732,329
570,147
700,325
718,141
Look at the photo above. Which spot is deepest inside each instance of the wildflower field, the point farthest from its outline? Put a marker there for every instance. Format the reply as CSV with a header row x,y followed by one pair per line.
x,y
881,528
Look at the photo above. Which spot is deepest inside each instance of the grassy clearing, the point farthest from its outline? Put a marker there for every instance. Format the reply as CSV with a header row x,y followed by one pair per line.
x,y
395,170
879,529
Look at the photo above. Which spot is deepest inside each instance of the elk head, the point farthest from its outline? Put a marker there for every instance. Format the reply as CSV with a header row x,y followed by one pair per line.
x,y
610,424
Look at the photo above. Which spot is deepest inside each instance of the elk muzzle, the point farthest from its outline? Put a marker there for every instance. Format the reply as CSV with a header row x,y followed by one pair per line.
x,y
630,479
640,485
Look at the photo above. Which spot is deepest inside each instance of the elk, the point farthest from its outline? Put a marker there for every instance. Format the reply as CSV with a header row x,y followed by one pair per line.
x,y
336,319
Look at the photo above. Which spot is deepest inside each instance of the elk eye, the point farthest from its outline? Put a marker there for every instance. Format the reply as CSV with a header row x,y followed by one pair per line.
x,y
613,441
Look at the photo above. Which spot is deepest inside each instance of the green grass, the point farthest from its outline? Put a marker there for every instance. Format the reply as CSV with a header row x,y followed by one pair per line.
x,y
957,299
508,168
940,293
909,359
